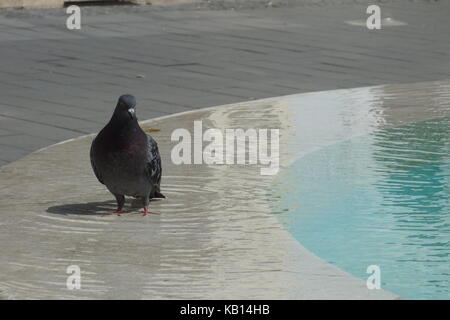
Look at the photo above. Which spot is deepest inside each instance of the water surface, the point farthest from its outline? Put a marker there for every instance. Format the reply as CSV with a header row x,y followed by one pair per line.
x,y
379,199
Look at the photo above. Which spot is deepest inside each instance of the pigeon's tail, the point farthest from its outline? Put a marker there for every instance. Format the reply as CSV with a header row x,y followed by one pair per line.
x,y
159,195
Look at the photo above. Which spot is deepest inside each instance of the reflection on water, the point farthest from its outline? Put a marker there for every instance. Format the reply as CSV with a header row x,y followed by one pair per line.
x,y
381,199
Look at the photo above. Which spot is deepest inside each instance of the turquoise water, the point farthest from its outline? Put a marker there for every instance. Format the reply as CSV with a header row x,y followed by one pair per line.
x,y
381,199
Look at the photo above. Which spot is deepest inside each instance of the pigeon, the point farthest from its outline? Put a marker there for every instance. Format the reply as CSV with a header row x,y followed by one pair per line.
x,y
126,159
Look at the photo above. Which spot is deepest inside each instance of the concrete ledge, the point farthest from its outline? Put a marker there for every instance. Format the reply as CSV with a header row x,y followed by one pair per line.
x,y
216,236
32,4
46,4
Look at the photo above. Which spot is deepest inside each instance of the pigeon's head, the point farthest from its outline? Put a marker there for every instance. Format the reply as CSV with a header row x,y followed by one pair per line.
x,y
126,108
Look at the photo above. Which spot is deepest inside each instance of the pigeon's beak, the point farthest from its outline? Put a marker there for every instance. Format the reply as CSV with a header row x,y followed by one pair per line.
x,y
131,112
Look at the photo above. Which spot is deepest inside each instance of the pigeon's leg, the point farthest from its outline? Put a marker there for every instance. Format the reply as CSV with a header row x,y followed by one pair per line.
x,y
120,198
146,203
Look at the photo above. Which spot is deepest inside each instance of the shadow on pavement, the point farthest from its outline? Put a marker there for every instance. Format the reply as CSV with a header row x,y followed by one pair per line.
x,y
89,208
96,208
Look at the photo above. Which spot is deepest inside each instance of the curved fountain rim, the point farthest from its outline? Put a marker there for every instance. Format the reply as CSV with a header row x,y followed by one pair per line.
x,y
228,105
216,107
231,105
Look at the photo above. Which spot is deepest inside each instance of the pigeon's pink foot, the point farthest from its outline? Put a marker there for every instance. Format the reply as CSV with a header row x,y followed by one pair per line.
x,y
145,212
117,213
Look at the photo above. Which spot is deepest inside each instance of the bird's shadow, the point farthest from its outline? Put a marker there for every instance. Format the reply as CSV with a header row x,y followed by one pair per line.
x,y
91,208
94,208
87,208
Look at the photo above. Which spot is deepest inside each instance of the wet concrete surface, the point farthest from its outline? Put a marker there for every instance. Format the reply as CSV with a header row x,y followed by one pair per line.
x,y
217,235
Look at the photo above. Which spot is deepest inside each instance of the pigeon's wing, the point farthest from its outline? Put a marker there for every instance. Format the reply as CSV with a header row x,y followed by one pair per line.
x,y
154,169
94,167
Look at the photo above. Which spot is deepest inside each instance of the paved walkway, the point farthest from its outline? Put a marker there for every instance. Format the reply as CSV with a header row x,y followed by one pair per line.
x,y
57,84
